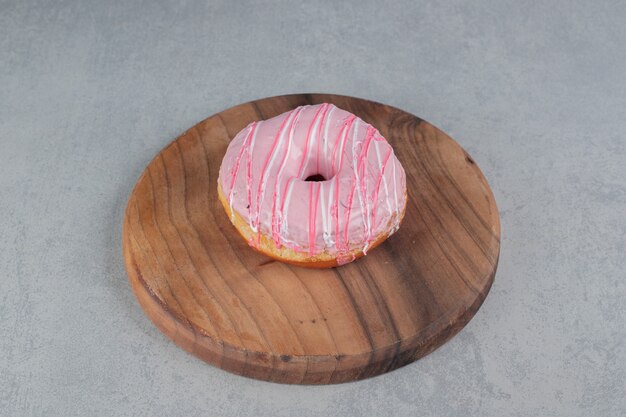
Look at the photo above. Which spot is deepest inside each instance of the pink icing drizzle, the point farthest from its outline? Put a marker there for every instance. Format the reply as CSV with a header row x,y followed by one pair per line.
x,y
378,181
304,160
313,202
243,148
277,220
341,138
262,177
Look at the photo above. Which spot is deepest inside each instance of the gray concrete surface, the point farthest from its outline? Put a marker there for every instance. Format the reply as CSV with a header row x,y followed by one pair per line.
x,y
535,91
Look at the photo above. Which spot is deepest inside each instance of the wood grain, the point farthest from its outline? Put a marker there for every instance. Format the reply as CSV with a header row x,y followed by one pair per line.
x,y
202,285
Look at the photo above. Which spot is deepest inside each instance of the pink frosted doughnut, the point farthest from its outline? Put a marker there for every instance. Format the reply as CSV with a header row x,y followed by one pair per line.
x,y
354,201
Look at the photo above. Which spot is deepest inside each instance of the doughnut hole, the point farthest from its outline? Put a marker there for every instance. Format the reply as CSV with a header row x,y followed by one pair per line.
x,y
315,178
317,170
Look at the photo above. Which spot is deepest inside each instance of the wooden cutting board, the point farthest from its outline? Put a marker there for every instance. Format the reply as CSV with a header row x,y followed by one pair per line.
x,y
206,289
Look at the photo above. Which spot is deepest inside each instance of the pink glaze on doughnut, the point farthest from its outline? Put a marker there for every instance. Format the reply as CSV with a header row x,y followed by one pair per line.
x,y
362,196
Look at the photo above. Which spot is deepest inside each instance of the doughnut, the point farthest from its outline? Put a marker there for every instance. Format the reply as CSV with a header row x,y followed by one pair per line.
x,y
316,186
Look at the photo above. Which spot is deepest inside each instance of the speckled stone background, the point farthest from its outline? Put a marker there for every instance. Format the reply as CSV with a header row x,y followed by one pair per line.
x,y
535,91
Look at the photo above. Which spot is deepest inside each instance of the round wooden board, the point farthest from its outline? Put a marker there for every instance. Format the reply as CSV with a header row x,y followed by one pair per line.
x,y
205,288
